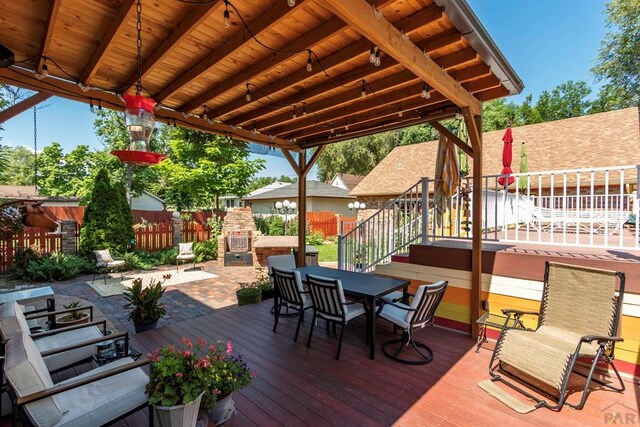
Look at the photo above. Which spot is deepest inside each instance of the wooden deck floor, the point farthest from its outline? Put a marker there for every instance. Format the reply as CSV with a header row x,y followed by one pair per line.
x,y
300,386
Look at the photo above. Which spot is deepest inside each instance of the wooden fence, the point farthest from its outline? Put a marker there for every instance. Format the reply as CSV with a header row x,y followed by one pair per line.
x,y
195,232
329,224
154,237
29,237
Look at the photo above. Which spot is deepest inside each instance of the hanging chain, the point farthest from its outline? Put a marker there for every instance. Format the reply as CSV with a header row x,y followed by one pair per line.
x,y
139,44
35,148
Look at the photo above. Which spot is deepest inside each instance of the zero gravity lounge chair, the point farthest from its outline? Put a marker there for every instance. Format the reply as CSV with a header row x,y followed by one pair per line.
x,y
577,322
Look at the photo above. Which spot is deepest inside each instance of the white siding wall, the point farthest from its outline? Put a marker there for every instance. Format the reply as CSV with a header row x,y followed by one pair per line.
x,y
146,203
314,204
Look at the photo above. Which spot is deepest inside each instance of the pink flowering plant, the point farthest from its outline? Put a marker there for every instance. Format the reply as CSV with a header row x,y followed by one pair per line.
x,y
179,375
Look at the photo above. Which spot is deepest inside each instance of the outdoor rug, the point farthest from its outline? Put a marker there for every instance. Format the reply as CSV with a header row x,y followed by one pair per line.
x,y
116,285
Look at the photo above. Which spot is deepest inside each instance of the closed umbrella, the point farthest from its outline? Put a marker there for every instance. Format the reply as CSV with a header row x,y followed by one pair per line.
x,y
524,168
463,160
506,159
447,176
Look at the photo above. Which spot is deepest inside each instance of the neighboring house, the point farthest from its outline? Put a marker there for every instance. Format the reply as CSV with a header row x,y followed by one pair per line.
x,y
345,181
320,197
598,140
30,192
233,201
147,202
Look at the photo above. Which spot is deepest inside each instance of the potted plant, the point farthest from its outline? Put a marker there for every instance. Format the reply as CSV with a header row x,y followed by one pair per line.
x,y
228,374
263,283
248,293
74,317
177,382
145,308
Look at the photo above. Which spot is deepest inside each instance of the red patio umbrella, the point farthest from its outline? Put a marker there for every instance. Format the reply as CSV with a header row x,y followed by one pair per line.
x,y
506,160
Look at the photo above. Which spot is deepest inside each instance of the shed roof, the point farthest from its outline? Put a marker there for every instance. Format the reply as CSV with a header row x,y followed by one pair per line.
x,y
598,140
349,180
200,71
314,189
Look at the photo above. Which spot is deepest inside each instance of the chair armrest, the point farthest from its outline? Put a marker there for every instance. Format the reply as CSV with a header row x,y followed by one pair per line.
x,y
357,301
86,343
509,311
70,328
65,311
600,338
56,389
402,307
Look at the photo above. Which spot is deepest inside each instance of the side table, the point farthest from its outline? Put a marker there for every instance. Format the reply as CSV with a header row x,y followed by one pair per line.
x,y
133,353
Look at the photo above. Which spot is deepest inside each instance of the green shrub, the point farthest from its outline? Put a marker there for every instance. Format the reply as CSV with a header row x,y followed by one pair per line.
x,y
206,251
276,226
141,260
316,238
262,224
23,257
167,256
57,266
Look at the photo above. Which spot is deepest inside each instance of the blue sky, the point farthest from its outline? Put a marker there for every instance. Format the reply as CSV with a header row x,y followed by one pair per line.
x,y
546,41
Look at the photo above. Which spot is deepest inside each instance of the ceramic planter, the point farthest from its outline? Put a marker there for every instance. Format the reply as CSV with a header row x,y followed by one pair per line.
x,y
178,415
64,321
145,326
223,410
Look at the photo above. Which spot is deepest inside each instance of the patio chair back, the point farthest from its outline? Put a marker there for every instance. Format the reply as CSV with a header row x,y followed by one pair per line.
x,y
424,304
581,300
282,262
327,296
288,285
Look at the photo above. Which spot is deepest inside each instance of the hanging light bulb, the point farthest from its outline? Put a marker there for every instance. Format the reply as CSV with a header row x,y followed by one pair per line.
x,y
99,105
377,61
247,95
291,3
304,109
399,111
294,111
309,62
45,69
91,108
363,92
425,92
204,113
332,130
254,130
226,14
372,54
346,125
458,115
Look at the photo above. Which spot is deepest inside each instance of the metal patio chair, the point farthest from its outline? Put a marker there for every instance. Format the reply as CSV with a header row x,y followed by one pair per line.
x,y
290,293
185,253
330,304
578,319
106,263
418,314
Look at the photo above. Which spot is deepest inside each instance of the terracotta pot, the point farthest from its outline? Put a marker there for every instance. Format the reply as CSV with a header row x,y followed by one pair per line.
x,y
178,415
62,323
244,299
223,410
145,326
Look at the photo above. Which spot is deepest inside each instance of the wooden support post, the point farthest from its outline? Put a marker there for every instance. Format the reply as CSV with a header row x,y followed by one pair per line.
x,y
474,124
302,210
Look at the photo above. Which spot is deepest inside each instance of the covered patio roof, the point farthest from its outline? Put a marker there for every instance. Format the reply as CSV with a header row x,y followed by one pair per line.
x,y
201,71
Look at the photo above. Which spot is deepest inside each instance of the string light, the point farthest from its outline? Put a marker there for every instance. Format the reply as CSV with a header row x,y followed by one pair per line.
x,y
294,111
425,92
372,54
185,114
363,91
399,111
248,93
377,61
204,113
226,14
45,70
346,124
84,88
304,108
91,108
309,62
99,105
254,130
458,115
291,3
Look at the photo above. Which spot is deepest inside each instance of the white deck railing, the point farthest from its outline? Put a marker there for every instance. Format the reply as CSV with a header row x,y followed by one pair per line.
x,y
579,207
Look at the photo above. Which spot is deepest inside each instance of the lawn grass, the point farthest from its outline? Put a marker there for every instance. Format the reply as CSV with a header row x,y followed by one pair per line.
x,y
327,252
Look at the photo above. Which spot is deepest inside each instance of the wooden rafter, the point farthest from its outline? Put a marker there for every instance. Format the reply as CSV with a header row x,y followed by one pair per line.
x,y
54,7
353,95
190,22
409,25
24,105
125,12
362,18
307,41
25,79
291,160
262,23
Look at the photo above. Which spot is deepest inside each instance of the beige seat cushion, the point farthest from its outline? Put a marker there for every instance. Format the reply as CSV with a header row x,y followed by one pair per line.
x,y
101,401
185,248
27,373
12,321
103,257
67,358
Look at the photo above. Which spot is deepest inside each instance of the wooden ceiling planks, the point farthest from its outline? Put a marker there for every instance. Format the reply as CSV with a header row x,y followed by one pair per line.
x,y
191,60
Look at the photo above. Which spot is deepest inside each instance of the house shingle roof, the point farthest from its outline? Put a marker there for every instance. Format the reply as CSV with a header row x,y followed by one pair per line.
x,y
597,140
314,189
349,180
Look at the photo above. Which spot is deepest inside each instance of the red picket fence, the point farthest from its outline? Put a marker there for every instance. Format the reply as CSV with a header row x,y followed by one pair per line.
x,y
154,237
323,222
29,237
195,232
348,224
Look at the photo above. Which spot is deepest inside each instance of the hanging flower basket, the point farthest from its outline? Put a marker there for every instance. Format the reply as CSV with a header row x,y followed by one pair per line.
x,y
134,157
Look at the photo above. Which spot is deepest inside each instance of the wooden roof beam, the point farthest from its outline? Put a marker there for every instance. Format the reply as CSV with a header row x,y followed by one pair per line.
x,y
185,27
262,23
353,95
54,7
409,25
360,16
447,133
65,89
24,105
124,13
315,36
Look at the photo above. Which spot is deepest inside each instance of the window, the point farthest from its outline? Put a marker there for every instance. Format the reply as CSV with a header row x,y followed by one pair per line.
x,y
230,203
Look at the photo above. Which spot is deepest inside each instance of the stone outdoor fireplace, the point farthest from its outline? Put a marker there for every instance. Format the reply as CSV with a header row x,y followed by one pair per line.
x,y
236,239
